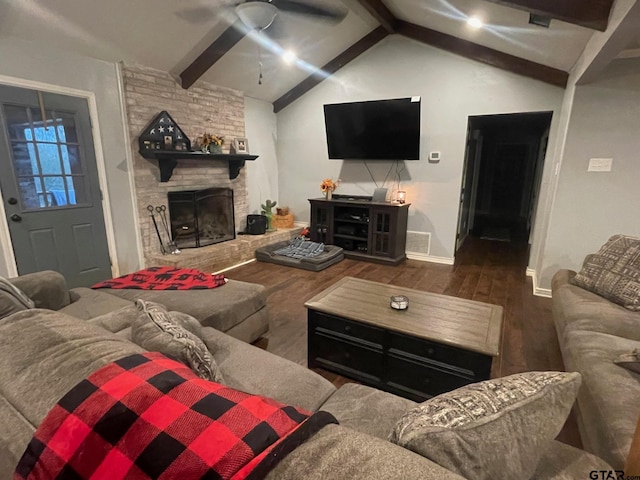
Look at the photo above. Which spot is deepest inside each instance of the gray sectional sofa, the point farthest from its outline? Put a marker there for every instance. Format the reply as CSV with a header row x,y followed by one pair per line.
x,y
237,308
593,332
46,350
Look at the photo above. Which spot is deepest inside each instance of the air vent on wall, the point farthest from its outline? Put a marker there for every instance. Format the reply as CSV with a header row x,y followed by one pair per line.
x,y
418,243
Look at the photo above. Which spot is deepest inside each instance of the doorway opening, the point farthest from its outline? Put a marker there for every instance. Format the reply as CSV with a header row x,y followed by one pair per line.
x,y
501,176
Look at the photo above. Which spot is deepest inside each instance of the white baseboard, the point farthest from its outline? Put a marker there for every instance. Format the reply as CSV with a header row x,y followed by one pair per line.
x,y
537,291
430,258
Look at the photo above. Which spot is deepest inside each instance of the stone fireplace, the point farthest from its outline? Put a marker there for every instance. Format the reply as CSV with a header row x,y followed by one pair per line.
x,y
201,217
202,108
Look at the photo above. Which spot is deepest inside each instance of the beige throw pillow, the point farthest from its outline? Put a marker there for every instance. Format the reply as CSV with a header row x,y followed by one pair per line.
x,y
175,334
493,429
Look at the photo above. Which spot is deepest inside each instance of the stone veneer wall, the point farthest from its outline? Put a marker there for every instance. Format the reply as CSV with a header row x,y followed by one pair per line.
x,y
202,108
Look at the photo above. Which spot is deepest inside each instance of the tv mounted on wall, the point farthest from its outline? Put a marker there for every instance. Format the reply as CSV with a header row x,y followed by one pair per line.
x,y
374,130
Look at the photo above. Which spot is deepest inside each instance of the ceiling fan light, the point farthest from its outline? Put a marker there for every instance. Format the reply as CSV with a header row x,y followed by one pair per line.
x,y
289,57
257,15
475,22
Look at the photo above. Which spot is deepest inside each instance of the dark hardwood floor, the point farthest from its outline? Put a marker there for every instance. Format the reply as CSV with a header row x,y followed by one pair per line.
x,y
486,271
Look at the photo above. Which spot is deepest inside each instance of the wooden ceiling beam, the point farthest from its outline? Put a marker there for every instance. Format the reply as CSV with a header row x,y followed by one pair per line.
x,y
381,13
213,53
483,54
593,14
330,68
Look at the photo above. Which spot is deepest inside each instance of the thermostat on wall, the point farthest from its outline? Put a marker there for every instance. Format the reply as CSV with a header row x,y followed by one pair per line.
x,y
434,157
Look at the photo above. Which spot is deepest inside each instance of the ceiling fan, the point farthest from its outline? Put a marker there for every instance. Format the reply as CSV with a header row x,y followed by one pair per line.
x,y
263,17
261,14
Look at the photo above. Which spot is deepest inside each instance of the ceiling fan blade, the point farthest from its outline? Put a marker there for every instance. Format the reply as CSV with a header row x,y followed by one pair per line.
x,y
332,13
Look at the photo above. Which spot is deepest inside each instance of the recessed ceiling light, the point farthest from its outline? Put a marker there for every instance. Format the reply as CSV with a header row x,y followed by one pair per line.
x,y
475,22
289,56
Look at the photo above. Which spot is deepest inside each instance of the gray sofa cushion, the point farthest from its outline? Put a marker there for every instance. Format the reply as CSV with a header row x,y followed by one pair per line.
x,y
15,433
470,430
614,271
367,410
87,303
339,453
259,372
608,406
117,321
176,335
47,289
564,462
48,352
575,308
221,308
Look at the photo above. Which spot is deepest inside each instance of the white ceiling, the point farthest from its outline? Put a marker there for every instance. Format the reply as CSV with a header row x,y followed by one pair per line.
x,y
170,34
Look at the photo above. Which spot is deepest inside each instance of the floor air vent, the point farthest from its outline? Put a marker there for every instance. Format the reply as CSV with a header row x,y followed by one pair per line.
x,y
418,243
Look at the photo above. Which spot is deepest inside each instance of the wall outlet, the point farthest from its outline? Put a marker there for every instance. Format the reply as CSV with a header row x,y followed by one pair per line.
x,y
600,164
434,157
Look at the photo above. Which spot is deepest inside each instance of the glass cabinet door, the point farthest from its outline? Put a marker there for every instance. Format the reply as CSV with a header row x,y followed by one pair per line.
x,y
381,233
320,224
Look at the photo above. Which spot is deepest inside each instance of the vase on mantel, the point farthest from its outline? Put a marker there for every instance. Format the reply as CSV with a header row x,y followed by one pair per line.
x,y
328,194
212,148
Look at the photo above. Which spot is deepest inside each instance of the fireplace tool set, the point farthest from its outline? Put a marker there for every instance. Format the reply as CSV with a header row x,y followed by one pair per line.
x,y
161,210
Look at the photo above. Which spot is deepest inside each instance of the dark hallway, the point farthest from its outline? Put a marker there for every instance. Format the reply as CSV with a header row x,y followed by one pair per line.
x,y
503,167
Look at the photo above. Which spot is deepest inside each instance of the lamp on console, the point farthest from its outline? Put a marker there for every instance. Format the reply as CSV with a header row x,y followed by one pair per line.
x,y
401,196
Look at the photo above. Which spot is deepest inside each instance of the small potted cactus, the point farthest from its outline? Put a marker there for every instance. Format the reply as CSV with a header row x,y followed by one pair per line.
x,y
267,212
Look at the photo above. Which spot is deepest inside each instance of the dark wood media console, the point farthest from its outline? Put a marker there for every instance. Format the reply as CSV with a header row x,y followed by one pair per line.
x,y
364,229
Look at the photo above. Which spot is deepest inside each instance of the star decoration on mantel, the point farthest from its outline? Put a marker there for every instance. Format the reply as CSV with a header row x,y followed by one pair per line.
x,y
164,134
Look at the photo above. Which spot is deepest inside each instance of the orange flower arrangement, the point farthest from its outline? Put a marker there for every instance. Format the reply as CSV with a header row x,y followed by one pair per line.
x,y
329,185
210,143
207,139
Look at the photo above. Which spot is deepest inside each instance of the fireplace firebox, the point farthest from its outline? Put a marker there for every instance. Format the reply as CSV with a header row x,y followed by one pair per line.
x,y
201,217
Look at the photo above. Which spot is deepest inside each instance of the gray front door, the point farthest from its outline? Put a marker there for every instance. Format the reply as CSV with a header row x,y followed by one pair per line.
x,y
50,188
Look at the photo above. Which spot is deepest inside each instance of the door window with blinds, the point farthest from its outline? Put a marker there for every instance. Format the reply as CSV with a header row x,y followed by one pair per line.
x,y
47,157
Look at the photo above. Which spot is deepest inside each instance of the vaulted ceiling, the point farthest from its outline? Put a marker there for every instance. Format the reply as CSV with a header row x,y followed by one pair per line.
x,y
204,39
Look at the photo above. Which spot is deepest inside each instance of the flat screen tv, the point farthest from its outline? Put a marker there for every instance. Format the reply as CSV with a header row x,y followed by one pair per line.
x,y
375,130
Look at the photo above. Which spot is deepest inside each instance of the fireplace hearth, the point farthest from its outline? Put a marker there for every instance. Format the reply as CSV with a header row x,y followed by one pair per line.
x,y
201,217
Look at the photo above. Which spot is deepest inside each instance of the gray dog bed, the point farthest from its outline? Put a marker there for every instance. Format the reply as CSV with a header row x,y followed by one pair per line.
x,y
331,255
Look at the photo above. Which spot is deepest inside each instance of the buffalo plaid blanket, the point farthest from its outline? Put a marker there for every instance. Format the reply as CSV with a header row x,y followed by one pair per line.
x,y
147,416
165,278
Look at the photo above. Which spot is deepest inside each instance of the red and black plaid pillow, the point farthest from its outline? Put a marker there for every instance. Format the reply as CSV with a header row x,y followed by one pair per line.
x,y
147,416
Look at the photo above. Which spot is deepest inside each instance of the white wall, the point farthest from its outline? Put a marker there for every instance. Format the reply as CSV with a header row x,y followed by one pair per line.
x,y
262,173
35,62
590,207
451,87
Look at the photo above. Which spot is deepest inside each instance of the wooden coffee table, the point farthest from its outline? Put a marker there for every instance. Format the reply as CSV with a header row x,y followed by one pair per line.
x,y
439,343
